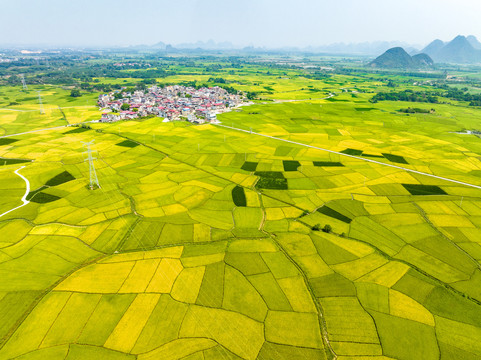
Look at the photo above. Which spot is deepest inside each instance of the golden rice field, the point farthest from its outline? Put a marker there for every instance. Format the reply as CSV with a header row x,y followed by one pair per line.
x,y
204,242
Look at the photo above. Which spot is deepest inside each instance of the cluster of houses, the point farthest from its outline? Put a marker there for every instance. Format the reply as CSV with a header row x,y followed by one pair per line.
x,y
131,64
174,102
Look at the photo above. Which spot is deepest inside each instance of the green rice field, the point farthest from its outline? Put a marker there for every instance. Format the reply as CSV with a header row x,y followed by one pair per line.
x,y
201,242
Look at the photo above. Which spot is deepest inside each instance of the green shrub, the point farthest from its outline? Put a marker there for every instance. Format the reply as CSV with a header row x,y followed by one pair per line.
x,y
327,228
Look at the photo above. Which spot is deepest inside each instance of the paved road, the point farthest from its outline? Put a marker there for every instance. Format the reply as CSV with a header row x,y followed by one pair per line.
x,y
355,157
278,101
32,131
49,107
24,198
51,128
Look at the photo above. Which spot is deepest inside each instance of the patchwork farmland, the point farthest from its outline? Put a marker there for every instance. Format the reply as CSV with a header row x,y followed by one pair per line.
x,y
206,242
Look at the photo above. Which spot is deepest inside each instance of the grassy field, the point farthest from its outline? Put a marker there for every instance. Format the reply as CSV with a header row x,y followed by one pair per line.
x,y
204,242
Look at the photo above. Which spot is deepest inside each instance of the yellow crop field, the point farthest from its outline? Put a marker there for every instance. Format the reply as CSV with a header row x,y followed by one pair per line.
x,y
244,339
99,278
355,269
178,349
405,307
323,216
387,275
297,293
128,329
167,272
297,329
31,333
451,221
186,286
140,276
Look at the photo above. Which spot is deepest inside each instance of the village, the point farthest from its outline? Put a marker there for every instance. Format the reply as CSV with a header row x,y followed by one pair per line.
x,y
174,102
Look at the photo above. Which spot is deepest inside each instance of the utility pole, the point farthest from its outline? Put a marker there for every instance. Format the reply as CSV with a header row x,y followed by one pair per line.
x,y
24,84
93,174
40,103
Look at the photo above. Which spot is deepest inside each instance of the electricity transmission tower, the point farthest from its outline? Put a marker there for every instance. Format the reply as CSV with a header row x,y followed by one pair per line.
x,y
40,103
93,174
24,84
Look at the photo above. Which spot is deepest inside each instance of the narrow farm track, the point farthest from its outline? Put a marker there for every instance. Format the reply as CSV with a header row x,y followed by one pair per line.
x,y
354,157
24,198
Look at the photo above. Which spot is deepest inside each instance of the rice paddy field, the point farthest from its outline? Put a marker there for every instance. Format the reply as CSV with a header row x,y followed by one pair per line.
x,y
206,242
20,109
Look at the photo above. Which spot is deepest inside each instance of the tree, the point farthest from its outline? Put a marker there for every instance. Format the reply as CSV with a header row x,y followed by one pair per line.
x,y
75,93
141,86
391,84
327,228
125,107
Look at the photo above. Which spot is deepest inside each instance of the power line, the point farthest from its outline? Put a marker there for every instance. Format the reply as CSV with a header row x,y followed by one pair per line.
x,y
24,84
40,103
94,181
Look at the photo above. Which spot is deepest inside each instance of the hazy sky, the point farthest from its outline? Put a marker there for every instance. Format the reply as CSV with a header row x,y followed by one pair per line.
x,y
268,23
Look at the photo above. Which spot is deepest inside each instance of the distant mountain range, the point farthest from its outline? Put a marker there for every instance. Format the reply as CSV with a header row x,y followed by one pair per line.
x,y
365,48
398,58
207,45
460,50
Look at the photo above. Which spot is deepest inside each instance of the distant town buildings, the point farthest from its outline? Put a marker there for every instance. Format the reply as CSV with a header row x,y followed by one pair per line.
x,y
174,102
